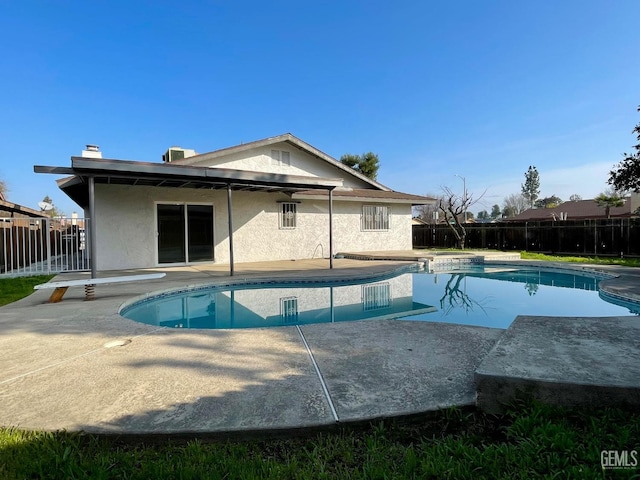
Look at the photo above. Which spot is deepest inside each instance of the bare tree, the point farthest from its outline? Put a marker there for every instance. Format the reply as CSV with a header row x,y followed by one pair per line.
x,y
455,296
426,212
454,207
3,189
514,204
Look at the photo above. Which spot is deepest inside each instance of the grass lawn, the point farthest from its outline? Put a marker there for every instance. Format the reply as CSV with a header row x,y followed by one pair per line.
x,y
624,262
12,289
531,441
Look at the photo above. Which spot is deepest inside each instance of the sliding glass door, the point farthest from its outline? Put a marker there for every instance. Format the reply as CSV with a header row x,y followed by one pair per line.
x,y
200,232
185,233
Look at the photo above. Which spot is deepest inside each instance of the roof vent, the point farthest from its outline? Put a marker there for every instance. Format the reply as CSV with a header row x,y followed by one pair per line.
x,y
177,153
92,151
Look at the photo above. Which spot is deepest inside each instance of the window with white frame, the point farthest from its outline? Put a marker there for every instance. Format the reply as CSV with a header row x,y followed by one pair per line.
x,y
280,158
376,296
375,217
288,216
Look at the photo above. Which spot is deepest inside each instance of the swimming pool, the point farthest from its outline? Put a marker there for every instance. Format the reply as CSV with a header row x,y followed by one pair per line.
x,y
490,296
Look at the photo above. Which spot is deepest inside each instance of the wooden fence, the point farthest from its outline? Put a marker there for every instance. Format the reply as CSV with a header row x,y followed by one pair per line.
x,y
614,237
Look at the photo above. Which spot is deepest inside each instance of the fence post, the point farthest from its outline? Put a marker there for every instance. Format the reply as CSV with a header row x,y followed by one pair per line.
x,y
47,237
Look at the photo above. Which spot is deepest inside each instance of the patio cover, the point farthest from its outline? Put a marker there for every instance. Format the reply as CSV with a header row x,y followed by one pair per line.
x,y
86,172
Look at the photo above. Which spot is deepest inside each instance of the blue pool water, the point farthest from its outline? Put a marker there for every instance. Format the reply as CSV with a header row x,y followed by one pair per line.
x,y
475,295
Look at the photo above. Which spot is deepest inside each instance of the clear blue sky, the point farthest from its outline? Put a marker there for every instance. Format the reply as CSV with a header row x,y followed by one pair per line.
x,y
477,88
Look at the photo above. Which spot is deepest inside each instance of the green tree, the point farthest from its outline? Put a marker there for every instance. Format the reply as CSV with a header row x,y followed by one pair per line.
x,y
625,175
367,164
509,211
575,198
495,211
531,185
483,215
548,202
609,199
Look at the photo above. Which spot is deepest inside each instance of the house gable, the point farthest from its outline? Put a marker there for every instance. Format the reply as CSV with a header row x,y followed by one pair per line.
x,y
284,154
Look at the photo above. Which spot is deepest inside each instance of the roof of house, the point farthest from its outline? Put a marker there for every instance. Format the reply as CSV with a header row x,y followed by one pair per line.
x,y
185,173
287,138
19,209
360,194
573,210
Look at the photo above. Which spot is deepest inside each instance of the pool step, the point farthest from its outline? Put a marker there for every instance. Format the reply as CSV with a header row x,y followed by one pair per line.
x,y
563,361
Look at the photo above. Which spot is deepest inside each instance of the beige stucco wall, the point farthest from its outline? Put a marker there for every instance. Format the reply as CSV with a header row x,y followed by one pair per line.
x,y
126,226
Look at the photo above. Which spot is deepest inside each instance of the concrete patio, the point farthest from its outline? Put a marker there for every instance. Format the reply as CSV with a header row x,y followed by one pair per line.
x,y
78,365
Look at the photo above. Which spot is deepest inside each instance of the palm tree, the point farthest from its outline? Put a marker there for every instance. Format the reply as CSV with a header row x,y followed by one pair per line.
x,y
608,200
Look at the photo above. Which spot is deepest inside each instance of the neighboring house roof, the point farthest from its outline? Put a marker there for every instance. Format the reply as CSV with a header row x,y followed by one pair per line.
x,y
575,210
14,208
287,138
363,194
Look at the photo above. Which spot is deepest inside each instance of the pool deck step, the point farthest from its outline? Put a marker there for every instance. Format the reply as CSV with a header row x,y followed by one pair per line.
x,y
563,361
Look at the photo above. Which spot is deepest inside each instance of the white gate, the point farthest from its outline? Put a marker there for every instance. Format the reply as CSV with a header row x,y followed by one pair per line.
x,y
36,246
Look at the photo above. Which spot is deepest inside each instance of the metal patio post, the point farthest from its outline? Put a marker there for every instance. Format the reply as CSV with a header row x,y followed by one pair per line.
x,y
330,228
92,227
231,266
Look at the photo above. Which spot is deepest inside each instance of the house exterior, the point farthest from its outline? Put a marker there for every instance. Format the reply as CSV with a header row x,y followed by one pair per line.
x,y
579,210
273,199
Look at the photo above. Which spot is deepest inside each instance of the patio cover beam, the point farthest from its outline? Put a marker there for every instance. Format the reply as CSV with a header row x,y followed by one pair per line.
x,y
160,171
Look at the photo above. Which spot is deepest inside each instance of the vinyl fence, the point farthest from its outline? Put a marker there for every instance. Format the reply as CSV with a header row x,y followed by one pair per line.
x,y
614,237
35,246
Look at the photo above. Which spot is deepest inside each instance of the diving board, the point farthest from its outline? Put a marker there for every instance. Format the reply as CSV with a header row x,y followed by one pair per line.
x,y
61,287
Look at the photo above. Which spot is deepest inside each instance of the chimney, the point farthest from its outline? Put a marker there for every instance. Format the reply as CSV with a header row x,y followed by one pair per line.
x,y
92,151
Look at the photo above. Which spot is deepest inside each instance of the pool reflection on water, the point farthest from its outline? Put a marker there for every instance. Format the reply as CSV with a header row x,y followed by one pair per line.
x,y
475,295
